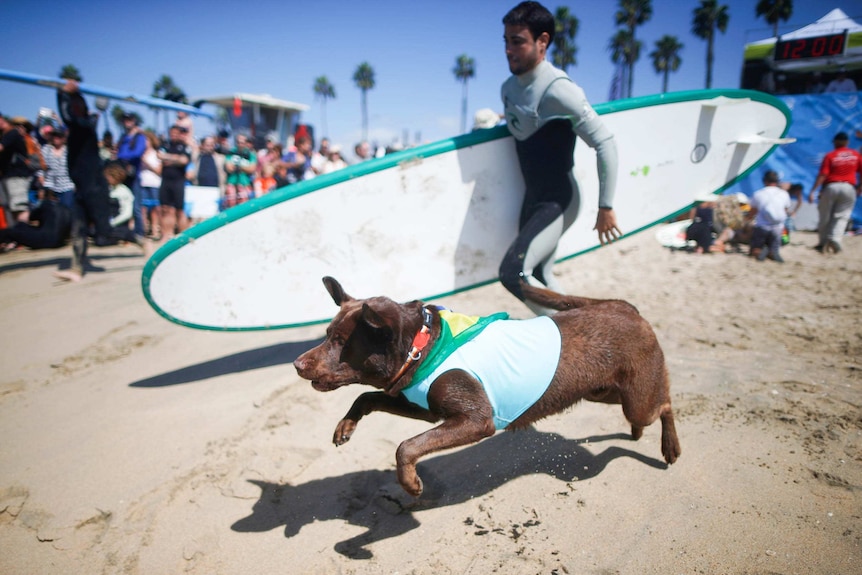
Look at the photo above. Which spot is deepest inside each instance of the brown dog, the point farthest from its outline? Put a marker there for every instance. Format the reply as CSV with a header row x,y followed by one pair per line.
x,y
607,353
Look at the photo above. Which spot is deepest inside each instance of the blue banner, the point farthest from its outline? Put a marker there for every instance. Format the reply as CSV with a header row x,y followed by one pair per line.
x,y
816,120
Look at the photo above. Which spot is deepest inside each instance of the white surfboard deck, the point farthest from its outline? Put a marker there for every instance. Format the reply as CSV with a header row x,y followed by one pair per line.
x,y
437,219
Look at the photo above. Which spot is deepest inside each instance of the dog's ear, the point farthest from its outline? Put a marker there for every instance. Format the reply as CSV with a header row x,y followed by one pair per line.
x,y
335,290
374,319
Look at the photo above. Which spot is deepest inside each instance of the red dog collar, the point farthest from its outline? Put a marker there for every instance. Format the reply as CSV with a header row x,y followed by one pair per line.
x,y
420,342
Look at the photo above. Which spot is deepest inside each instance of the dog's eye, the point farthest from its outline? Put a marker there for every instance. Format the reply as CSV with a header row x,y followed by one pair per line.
x,y
337,338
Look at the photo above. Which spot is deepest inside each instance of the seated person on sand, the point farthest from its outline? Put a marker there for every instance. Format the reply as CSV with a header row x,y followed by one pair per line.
x,y
49,227
701,228
731,224
122,202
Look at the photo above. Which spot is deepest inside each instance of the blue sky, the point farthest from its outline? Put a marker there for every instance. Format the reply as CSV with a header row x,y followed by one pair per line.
x,y
281,47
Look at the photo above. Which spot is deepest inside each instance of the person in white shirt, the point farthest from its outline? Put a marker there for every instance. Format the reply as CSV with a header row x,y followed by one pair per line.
x,y
770,206
841,83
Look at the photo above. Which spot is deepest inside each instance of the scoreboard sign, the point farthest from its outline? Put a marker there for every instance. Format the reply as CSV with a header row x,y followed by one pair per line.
x,y
824,46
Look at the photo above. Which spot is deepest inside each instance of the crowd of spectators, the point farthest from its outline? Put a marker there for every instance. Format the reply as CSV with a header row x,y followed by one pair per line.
x,y
33,167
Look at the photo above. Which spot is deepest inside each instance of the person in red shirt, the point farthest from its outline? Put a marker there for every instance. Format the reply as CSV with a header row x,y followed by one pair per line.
x,y
839,187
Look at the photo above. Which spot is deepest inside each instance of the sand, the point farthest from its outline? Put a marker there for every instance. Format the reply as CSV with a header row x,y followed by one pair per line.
x,y
131,445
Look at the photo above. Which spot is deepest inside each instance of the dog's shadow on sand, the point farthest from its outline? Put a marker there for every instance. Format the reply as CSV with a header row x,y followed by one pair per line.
x,y
278,354
374,500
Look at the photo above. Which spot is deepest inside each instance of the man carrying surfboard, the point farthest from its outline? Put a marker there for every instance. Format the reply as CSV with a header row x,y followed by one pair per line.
x,y
545,112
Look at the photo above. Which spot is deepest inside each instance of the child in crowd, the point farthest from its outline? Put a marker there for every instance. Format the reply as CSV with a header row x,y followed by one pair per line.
x,y
151,180
770,207
266,182
122,205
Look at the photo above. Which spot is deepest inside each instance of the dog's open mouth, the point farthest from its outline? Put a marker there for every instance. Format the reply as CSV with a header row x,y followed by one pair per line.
x,y
326,385
322,385
315,383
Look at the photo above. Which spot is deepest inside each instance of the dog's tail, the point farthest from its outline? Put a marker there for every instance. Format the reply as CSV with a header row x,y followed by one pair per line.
x,y
551,299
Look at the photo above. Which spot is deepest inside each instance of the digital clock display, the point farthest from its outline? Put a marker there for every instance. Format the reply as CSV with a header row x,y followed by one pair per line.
x,y
814,47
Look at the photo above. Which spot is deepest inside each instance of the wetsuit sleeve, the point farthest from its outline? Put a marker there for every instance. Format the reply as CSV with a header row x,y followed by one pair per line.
x,y
565,98
73,110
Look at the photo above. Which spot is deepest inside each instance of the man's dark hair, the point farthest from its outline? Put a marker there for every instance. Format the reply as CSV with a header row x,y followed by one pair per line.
x,y
534,16
771,177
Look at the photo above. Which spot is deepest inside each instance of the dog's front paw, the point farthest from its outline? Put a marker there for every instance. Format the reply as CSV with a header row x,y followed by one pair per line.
x,y
410,481
343,431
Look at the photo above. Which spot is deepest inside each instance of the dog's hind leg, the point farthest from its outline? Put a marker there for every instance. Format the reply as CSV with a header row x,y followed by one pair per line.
x,y
670,447
641,416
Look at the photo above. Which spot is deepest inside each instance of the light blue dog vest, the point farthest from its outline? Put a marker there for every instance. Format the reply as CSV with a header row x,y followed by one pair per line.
x,y
515,360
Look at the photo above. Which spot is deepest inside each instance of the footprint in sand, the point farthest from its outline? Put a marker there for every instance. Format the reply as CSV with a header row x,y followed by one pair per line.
x,y
110,347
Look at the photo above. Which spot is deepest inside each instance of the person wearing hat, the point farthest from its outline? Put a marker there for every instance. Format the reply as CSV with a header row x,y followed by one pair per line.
x,y
15,173
334,161
56,178
839,185
485,118
130,150
22,122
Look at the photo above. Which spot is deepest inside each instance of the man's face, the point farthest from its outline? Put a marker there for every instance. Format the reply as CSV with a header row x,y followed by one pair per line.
x,y
241,142
522,51
175,135
207,145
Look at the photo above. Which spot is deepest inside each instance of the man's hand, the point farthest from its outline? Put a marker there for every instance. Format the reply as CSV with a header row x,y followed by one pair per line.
x,y
606,225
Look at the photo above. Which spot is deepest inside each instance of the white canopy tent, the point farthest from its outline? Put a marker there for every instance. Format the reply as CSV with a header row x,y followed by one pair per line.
x,y
835,22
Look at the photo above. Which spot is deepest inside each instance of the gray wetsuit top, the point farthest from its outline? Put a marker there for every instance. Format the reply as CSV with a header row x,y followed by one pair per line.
x,y
545,110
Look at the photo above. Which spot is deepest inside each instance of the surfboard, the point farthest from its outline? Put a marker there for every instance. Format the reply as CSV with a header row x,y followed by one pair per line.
x,y
672,234
57,83
437,219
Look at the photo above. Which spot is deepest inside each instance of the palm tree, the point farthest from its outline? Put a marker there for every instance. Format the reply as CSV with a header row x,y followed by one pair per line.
x,y
117,114
363,77
166,89
665,57
619,47
773,11
565,49
71,72
324,90
708,18
465,68
631,14
160,87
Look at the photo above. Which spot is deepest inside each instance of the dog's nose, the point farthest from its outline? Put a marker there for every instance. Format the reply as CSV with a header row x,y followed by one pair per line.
x,y
301,364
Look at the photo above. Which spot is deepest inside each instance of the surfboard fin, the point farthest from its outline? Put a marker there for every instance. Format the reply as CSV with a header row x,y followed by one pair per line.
x,y
758,139
724,101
